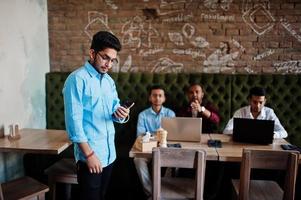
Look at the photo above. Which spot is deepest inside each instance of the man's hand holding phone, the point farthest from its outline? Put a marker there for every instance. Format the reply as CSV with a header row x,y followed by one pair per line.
x,y
128,104
124,110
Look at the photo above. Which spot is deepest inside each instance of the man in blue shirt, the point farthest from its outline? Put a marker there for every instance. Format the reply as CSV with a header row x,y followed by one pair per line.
x,y
91,105
149,120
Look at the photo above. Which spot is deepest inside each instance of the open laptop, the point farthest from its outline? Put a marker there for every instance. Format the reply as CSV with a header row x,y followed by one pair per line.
x,y
253,131
182,128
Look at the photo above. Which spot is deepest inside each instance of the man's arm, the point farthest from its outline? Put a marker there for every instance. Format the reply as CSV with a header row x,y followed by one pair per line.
x,y
212,114
229,127
279,131
72,93
141,125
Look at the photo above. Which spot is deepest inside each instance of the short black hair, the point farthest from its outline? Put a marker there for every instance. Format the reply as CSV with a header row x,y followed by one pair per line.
x,y
156,87
104,39
257,91
191,84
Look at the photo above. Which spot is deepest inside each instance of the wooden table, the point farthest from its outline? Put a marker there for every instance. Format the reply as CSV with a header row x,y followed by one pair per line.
x,y
211,152
230,151
42,141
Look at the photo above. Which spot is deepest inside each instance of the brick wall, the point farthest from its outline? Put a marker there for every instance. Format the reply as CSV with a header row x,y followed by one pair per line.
x,y
210,36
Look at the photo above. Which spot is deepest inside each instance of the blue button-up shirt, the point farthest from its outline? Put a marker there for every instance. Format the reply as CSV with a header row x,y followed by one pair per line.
x,y
150,121
90,99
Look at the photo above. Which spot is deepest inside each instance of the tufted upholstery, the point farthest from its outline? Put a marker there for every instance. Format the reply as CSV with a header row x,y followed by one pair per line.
x,y
227,92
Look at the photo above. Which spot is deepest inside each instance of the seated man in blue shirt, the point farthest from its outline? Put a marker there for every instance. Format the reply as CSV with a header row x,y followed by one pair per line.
x,y
257,110
149,120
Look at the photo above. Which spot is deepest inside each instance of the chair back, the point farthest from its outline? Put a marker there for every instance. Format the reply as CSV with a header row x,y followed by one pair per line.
x,y
182,158
269,159
1,193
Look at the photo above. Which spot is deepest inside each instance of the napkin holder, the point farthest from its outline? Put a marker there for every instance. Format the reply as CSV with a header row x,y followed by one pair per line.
x,y
145,146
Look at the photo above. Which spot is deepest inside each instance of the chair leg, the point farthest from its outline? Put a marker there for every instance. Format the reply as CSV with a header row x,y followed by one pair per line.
x,y
52,189
41,196
68,191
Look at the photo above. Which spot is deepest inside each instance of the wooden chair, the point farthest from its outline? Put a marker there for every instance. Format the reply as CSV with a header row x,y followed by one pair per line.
x,y
246,189
176,187
63,171
23,188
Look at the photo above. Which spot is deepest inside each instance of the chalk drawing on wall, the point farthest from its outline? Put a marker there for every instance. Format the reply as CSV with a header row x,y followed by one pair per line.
x,y
292,66
127,66
200,42
168,7
111,4
290,29
180,17
192,52
138,34
150,51
187,35
223,57
249,69
166,65
264,54
176,38
96,21
258,10
213,5
249,4
188,30
217,17
225,4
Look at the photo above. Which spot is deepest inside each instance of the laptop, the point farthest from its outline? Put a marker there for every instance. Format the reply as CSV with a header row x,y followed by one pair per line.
x,y
253,131
182,128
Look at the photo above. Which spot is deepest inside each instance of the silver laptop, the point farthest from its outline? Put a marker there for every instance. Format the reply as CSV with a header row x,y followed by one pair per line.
x,y
182,128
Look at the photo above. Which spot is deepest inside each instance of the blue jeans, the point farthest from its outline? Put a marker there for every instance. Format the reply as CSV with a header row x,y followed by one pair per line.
x,y
92,186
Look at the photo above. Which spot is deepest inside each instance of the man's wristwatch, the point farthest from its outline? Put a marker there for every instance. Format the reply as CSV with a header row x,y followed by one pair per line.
x,y
202,109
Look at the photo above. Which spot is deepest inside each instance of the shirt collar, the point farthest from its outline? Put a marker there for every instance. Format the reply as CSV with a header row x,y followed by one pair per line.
x,y
160,113
91,70
262,114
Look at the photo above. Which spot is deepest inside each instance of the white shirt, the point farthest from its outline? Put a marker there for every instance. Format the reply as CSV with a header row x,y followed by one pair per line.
x,y
266,114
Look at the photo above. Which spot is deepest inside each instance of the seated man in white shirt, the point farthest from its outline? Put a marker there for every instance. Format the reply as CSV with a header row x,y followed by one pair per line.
x,y
257,110
149,120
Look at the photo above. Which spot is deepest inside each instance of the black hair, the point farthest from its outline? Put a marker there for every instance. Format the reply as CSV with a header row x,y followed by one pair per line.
x,y
191,84
155,87
104,39
257,91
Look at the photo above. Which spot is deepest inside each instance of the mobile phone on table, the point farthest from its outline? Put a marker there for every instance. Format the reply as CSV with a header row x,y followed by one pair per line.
x,y
290,147
128,104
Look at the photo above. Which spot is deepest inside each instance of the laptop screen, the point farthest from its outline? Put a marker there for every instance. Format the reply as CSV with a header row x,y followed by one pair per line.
x,y
182,128
253,131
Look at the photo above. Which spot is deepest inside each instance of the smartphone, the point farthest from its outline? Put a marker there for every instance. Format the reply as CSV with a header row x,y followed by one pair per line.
x,y
214,143
128,104
176,145
290,147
